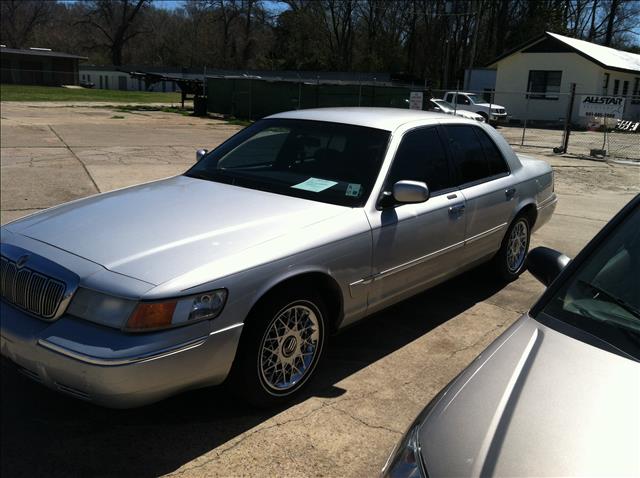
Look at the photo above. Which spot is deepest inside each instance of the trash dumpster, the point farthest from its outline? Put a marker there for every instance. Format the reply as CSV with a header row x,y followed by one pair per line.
x,y
200,106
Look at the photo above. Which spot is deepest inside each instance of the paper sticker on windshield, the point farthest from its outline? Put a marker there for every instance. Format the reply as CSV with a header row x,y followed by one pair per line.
x,y
314,185
353,190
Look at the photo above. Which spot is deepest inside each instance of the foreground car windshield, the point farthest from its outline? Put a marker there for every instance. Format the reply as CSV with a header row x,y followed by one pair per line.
x,y
327,162
603,296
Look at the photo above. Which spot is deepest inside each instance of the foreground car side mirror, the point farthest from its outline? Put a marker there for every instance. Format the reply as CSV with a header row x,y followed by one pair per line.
x,y
201,153
408,192
546,264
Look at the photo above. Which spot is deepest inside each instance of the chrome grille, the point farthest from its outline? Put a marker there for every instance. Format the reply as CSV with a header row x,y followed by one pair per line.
x,y
29,290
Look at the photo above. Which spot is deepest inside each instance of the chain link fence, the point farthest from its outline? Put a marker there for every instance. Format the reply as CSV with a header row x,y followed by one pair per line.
x,y
553,122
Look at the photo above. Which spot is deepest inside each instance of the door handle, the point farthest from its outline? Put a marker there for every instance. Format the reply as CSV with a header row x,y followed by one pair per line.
x,y
456,211
509,193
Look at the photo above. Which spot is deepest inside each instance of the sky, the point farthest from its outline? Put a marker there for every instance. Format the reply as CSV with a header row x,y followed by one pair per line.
x,y
173,4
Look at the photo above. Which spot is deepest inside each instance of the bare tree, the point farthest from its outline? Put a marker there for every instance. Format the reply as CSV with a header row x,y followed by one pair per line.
x,y
116,22
20,18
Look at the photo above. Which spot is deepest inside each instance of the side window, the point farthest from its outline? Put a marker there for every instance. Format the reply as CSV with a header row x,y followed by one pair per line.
x,y
467,153
421,156
497,164
463,100
450,97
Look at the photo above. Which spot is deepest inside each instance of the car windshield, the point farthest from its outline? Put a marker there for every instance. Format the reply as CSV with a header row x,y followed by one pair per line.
x,y
327,162
444,106
474,98
603,295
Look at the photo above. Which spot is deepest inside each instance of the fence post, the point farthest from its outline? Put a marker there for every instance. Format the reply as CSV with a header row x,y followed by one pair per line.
x,y
526,117
567,120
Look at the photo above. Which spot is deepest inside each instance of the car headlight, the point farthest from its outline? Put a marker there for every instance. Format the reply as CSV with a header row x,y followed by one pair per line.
x,y
406,460
170,313
100,308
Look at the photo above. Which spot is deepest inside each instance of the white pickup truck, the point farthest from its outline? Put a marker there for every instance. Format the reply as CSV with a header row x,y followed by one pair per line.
x,y
491,113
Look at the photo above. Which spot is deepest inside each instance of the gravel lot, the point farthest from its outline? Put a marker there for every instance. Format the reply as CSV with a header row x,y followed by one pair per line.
x,y
375,377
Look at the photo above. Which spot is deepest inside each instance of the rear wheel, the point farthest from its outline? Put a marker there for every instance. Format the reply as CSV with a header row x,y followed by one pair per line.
x,y
283,344
510,259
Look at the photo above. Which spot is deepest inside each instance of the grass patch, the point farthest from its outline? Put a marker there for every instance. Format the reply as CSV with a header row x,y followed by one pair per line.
x,y
54,93
141,108
117,117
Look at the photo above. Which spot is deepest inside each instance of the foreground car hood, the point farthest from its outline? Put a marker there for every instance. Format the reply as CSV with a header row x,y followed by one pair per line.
x,y
157,231
537,403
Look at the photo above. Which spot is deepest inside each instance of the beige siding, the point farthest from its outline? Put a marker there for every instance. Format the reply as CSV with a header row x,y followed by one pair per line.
x,y
513,76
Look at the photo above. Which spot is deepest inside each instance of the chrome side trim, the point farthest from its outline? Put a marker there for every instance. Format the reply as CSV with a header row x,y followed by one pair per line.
x,y
356,287
548,202
225,329
415,262
401,267
122,361
486,233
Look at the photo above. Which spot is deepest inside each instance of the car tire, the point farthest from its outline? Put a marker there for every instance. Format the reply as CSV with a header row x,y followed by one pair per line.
x,y
280,347
484,115
510,260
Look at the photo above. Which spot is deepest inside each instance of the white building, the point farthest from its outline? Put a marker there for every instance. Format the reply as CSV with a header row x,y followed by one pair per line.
x,y
533,81
111,78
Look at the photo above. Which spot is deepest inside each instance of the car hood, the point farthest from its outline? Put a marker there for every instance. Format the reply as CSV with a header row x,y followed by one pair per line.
x,y
160,230
537,403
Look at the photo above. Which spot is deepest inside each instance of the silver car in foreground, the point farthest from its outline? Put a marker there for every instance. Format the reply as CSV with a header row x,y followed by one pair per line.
x,y
558,393
297,226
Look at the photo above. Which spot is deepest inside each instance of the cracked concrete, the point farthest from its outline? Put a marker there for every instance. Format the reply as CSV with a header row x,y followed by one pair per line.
x,y
374,379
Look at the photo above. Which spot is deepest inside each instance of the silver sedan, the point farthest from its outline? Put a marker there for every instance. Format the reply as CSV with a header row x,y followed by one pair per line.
x,y
299,225
558,393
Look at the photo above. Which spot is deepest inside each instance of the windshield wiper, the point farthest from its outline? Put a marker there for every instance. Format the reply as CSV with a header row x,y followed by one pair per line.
x,y
612,298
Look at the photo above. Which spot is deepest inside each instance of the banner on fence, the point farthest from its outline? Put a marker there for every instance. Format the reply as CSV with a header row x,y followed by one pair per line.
x,y
595,106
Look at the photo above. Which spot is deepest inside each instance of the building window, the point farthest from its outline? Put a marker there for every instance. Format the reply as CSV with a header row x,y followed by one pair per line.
x,y
635,97
625,88
100,81
544,85
606,82
616,87
106,82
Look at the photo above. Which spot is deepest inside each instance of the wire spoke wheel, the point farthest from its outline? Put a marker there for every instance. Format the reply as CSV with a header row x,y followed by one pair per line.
x,y
289,347
517,246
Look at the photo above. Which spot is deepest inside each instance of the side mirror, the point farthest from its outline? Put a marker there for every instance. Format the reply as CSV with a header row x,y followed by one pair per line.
x,y
436,108
546,264
407,192
200,154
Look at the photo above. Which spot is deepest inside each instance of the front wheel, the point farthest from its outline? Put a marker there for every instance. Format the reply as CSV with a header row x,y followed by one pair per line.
x,y
510,259
282,347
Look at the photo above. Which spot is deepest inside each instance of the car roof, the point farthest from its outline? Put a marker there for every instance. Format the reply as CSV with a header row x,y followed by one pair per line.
x,y
380,118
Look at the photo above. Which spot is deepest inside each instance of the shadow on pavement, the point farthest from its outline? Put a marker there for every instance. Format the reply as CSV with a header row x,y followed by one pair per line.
x,y
45,433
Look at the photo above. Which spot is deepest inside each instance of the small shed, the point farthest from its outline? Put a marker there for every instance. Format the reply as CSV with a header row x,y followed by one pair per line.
x,y
39,66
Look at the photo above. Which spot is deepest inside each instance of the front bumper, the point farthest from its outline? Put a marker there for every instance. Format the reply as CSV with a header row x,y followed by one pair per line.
x,y
498,117
110,368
